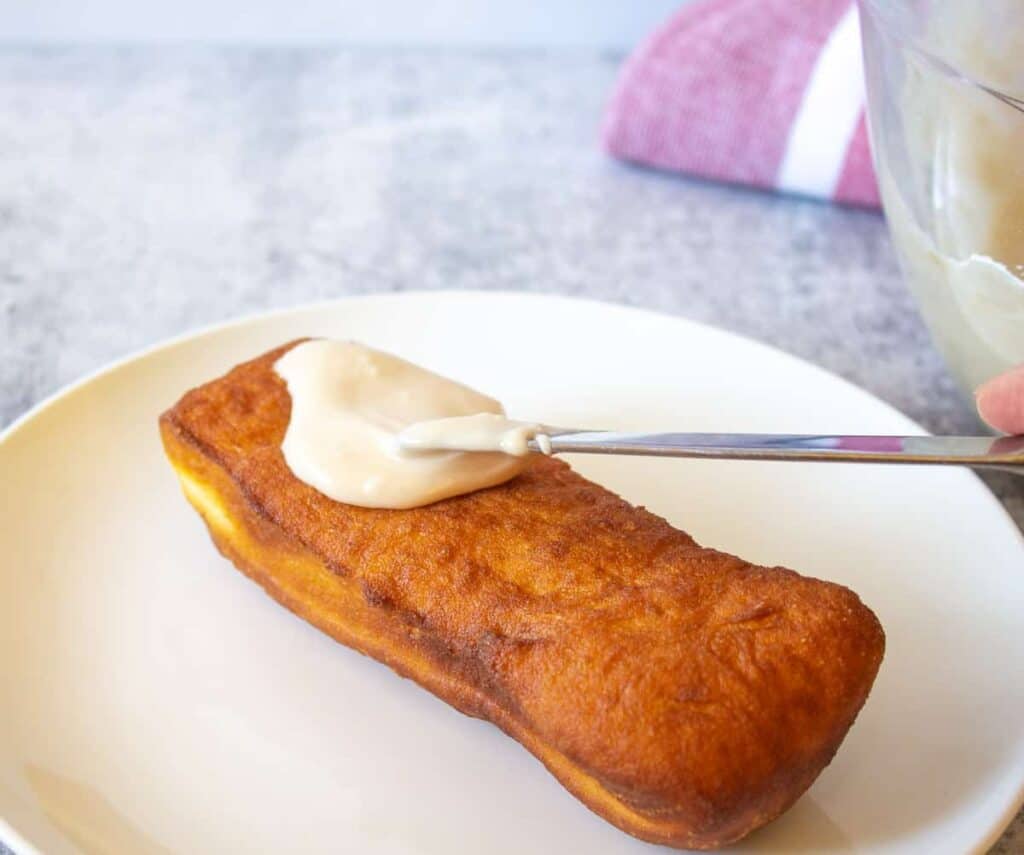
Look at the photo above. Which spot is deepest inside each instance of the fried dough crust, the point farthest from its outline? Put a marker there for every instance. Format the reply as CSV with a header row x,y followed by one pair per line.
x,y
683,694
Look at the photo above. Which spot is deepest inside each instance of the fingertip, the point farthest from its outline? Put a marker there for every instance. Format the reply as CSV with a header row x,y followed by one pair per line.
x,y
983,404
1000,401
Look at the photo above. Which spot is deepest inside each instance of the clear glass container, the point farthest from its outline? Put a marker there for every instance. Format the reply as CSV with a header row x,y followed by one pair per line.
x,y
945,81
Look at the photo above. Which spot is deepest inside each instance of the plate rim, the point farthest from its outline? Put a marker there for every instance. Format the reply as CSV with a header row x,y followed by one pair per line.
x,y
11,838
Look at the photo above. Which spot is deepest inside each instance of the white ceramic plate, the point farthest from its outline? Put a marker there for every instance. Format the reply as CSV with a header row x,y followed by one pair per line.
x,y
155,700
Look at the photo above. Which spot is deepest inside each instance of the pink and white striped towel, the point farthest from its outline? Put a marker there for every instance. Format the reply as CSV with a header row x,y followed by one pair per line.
x,y
761,92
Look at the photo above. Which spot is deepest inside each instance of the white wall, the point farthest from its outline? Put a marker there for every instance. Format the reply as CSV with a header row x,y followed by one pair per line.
x,y
590,23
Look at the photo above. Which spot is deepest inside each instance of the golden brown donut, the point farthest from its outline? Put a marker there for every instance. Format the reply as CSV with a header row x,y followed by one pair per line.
x,y
685,695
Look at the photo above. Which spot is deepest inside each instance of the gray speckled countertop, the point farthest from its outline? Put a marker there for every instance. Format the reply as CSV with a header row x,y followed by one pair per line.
x,y
147,192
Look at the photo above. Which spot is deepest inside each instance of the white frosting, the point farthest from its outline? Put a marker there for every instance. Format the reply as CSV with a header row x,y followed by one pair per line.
x,y
350,403
975,305
481,432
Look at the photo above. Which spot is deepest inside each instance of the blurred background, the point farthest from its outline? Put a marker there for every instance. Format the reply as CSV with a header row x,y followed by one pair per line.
x,y
601,23
166,166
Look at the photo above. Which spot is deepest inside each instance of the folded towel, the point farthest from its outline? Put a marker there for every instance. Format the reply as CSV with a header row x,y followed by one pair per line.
x,y
762,92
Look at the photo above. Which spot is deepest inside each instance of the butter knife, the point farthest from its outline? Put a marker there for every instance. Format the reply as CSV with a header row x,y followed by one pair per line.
x,y
1005,452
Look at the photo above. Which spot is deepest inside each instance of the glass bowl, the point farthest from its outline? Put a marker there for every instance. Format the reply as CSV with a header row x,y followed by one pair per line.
x,y
945,85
